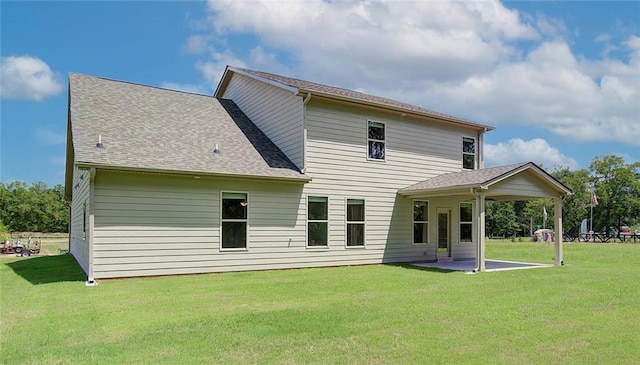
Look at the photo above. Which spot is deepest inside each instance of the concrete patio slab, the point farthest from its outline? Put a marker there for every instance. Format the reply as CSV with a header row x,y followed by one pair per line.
x,y
491,265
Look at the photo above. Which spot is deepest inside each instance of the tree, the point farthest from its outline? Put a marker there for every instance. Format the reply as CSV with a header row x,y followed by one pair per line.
x,y
617,186
501,219
33,208
575,207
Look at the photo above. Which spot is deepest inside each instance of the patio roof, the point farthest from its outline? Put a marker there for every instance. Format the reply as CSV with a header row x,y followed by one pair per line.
x,y
509,182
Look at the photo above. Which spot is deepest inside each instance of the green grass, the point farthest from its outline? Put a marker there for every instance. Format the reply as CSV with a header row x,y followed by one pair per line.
x,y
587,312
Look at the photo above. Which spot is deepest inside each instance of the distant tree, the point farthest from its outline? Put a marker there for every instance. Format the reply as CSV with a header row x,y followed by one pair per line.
x,y
617,186
33,208
501,219
575,207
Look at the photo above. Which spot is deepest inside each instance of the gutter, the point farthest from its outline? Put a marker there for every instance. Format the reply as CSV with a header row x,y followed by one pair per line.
x,y
89,165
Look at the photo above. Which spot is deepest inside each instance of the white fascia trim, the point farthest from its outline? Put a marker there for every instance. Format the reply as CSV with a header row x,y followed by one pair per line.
x,y
292,89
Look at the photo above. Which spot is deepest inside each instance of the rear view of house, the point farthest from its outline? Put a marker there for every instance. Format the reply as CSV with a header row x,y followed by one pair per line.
x,y
273,172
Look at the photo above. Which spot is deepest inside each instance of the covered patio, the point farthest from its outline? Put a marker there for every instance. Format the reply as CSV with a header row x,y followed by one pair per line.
x,y
521,181
490,265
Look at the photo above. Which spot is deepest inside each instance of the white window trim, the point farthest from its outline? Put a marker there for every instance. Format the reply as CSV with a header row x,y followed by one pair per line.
x,y
307,221
413,240
241,249
475,154
461,222
377,140
347,222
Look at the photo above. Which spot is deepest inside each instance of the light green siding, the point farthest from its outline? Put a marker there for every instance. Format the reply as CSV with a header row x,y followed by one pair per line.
x,y
80,204
160,225
415,150
277,112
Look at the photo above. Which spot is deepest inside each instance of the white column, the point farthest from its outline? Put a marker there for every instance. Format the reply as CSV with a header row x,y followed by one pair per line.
x,y
557,202
480,231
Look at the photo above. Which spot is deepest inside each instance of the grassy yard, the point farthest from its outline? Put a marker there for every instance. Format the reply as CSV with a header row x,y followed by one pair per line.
x,y
587,312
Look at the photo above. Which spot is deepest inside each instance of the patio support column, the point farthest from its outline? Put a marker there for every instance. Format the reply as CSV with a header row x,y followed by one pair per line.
x,y
480,231
557,202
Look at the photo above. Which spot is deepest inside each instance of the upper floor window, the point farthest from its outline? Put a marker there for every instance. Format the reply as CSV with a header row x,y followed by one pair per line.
x,y
468,153
355,222
376,140
234,220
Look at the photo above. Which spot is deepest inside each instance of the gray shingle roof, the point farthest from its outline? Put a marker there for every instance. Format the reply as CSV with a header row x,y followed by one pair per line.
x,y
464,178
149,128
312,87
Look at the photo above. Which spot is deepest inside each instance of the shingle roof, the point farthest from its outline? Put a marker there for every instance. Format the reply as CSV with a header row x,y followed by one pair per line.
x,y
150,128
315,88
464,178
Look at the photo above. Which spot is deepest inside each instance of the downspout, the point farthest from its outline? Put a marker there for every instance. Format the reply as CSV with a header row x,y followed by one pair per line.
x,y
92,178
304,132
481,149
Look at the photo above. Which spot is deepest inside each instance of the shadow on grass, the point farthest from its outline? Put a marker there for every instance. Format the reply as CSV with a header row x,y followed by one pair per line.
x,y
48,269
423,268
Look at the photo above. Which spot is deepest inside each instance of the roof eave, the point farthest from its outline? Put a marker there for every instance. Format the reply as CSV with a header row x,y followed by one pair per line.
x,y
403,111
446,190
84,165
226,78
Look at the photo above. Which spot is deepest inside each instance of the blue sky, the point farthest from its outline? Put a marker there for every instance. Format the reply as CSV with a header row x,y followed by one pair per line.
x,y
560,81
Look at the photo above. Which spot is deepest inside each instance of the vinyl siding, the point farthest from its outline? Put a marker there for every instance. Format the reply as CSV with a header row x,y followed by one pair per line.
x,y
523,184
277,112
80,196
160,225
338,165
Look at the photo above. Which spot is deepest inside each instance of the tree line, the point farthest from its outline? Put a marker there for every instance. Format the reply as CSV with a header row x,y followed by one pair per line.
x,y
614,183
33,208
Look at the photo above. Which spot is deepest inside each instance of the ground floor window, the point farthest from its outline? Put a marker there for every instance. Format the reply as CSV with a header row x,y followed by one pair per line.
x,y
355,222
420,221
317,221
234,220
466,222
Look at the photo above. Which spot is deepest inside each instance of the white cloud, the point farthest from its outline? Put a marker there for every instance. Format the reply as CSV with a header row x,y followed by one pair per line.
x,y
47,136
197,44
517,150
26,77
459,57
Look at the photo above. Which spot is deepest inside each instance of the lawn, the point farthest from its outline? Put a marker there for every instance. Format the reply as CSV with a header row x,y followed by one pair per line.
x,y
585,312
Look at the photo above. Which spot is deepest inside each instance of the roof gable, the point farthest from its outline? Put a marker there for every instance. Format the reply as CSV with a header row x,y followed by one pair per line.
x,y
485,179
149,128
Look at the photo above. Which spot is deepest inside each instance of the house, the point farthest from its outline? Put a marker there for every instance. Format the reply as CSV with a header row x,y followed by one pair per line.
x,y
273,172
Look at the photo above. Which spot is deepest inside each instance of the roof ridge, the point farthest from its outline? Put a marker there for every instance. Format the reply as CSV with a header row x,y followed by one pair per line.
x,y
135,84
352,94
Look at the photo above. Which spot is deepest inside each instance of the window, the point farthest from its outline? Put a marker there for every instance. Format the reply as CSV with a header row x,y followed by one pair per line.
x,y
420,221
466,222
234,220
468,153
355,222
317,220
376,140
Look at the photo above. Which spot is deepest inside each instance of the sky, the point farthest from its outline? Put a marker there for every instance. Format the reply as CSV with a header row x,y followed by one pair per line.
x,y
559,80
